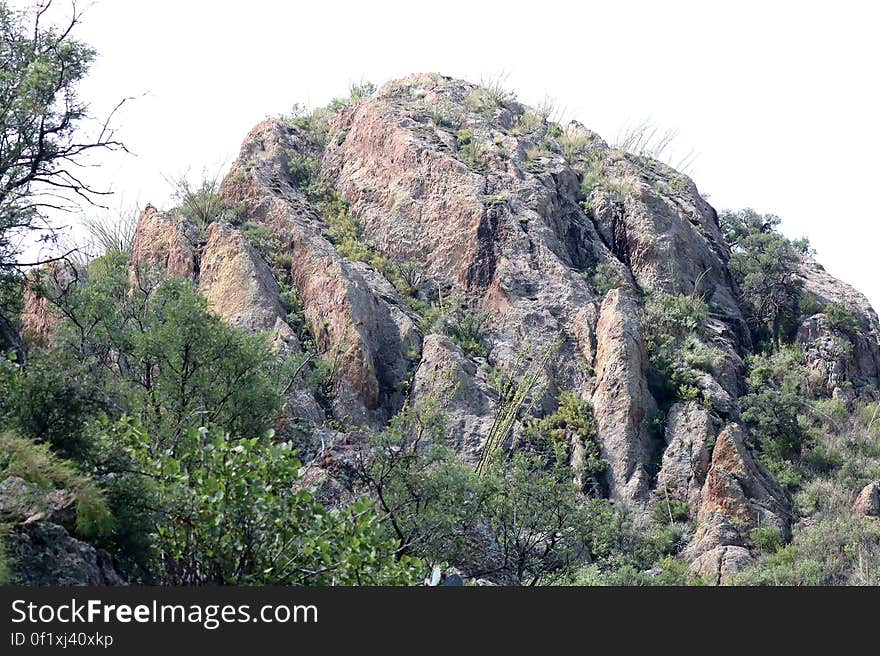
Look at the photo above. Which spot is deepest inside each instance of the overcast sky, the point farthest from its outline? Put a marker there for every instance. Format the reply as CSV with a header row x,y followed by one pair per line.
x,y
779,100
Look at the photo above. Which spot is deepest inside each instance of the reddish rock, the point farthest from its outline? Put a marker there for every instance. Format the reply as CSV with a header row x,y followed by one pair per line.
x,y
867,502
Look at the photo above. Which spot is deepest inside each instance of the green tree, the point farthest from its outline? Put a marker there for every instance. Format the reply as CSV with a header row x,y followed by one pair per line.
x,y
157,352
41,141
778,394
765,265
234,511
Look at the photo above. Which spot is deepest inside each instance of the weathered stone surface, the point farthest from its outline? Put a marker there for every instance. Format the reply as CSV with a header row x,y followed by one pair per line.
x,y
164,242
622,401
846,364
852,370
21,501
44,554
739,495
41,550
511,238
237,283
461,392
38,318
719,564
690,433
367,340
867,502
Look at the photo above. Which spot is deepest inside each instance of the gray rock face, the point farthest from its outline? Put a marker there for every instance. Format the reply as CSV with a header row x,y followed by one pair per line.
x,y
849,363
666,233
367,340
622,400
21,501
690,435
39,545
45,554
164,242
460,391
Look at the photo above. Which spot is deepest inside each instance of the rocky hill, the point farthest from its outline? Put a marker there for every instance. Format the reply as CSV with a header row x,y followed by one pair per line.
x,y
440,242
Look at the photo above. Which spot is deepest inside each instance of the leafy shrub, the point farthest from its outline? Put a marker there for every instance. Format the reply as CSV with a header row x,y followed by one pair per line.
x,y
606,277
573,422
469,151
765,265
43,401
766,538
836,550
809,305
841,317
771,408
232,512
674,326
669,510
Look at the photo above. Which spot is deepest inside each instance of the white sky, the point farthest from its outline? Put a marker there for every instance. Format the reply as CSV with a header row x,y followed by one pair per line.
x,y
779,100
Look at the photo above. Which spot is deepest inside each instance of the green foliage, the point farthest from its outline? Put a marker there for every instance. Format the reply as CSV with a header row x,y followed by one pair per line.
x,y
442,510
674,330
233,511
111,235
809,305
6,565
765,265
520,385
200,203
778,386
40,116
574,146
154,351
465,326
668,510
314,124
357,92
572,428
490,96
45,402
839,550
36,464
606,277
536,516
262,239
841,317
766,538
469,151
596,174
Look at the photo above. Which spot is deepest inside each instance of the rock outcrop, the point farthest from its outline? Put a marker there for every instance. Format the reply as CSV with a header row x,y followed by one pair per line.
x,y
237,283
690,435
368,339
622,400
39,543
867,502
847,361
738,496
168,243
491,209
449,379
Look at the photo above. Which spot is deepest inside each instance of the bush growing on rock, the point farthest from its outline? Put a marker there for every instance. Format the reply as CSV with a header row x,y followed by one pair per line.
x,y
674,329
